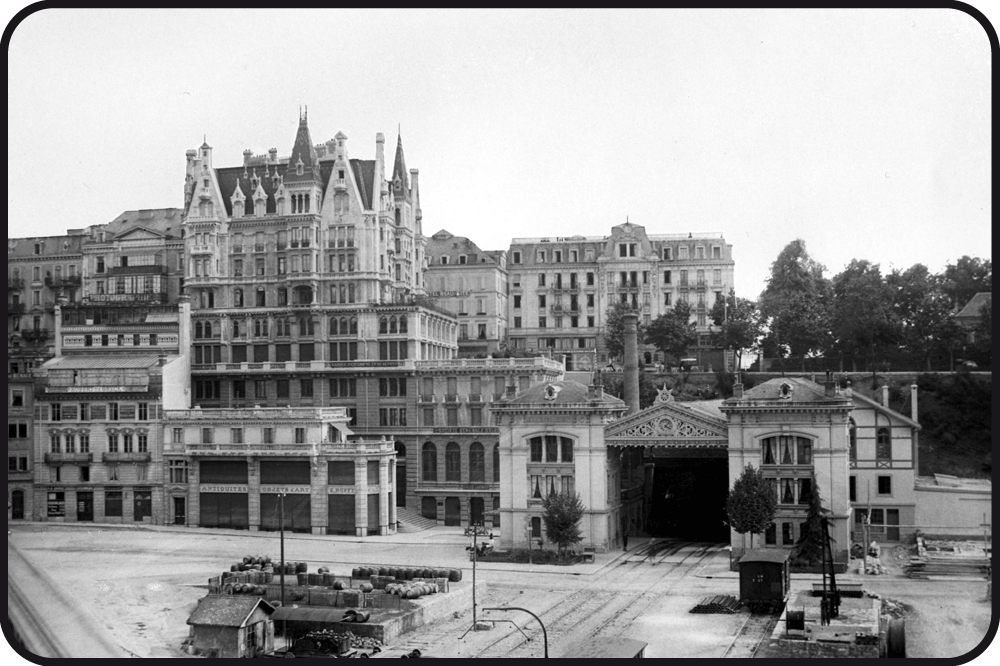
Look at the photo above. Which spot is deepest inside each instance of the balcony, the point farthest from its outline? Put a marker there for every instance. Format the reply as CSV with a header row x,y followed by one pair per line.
x,y
57,458
282,246
250,449
68,282
428,398
258,247
451,397
126,457
475,398
237,249
15,309
15,283
151,269
35,335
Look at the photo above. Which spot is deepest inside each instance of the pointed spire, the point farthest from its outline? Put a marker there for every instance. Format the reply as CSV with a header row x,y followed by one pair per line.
x,y
399,172
303,152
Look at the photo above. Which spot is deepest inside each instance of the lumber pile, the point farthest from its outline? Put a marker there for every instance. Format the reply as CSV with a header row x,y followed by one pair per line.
x,y
958,563
721,603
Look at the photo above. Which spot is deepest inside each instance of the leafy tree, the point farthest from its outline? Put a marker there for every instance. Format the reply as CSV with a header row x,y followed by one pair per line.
x,y
614,329
983,345
740,326
864,321
563,512
809,548
751,503
795,305
966,278
924,312
673,331
615,385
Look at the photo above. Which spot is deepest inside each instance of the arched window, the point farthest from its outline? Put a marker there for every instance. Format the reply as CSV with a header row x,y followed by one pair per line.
x,y
402,324
477,463
354,324
343,326
383,325
208,329
429,462
198,329
236,328
452,462
883,444
393,325
566,446
496,463
333,326
237,298
852,433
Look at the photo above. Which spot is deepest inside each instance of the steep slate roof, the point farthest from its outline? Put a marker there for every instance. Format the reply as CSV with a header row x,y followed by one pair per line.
x,y
568,392
971,309
364,176
226,610
706,407
303,150
24,248
166,221
444,244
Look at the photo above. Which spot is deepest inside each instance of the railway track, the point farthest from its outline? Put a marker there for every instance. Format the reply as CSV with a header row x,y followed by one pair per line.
x,y
755,630
618,608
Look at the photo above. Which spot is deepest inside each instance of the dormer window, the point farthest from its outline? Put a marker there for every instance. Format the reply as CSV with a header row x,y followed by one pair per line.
x,y
299,168
551,392
38,248
340,174
785,391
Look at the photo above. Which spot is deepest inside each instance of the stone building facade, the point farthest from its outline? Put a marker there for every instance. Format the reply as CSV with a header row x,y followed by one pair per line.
x,y
472,283
228,468
561,288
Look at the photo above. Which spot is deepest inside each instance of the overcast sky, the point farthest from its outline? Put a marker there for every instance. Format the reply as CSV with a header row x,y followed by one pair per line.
x,y
864,132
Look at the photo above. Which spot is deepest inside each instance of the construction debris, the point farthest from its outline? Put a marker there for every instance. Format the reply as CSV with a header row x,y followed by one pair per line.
x,y
722,603
949,559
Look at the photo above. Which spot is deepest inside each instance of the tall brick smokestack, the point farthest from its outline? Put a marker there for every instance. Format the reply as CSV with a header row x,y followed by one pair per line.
x,y
631,362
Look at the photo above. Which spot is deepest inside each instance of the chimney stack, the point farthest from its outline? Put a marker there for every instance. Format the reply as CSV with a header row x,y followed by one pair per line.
x,y
885,395
738,387
830,385
913,403
631,362
511,392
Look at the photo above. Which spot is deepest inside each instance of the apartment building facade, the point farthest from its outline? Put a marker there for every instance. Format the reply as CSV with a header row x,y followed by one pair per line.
x,y
471,283
561,288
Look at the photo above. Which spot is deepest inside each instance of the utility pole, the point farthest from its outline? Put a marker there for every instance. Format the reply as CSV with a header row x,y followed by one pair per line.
x,y
281,518
475,530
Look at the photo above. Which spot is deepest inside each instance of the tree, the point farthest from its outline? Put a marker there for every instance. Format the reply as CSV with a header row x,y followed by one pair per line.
x,y
673,331
614,329
795,304
615,385
563,512
983,345
966,278
924,312
809,548
864,321
751,503
740,326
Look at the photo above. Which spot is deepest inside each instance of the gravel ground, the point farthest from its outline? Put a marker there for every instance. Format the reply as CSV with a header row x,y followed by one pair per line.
x,y
143,584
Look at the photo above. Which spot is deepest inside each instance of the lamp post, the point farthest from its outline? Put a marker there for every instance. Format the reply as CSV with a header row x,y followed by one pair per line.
x,y
474,530
545,635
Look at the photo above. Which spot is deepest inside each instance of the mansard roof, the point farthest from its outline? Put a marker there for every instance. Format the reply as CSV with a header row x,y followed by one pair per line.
x,y
558,393
165,221
803,390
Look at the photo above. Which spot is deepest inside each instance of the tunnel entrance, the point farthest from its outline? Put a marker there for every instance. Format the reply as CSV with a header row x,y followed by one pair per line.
x,y
688,499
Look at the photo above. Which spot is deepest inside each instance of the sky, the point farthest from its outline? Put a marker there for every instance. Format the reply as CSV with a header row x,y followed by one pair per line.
x,y
864,132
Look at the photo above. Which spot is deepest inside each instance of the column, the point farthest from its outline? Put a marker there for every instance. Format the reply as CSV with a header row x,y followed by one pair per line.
x,y
194,499
395,491
383,494
361,497
319,495
253,492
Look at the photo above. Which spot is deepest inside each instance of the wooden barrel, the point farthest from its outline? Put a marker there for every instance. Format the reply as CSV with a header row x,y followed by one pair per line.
x,y
301,567
303,578
328,579
355,572
455,575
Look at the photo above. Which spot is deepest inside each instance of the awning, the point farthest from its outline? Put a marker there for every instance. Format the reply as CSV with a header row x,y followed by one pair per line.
x,y
347,432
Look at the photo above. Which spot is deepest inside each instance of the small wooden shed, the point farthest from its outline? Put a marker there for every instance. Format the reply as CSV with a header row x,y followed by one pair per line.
x,y
765,575
232,626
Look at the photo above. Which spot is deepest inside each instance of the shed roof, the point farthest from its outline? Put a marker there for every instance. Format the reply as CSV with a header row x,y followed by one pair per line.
x,y
972,308
226,611
766,555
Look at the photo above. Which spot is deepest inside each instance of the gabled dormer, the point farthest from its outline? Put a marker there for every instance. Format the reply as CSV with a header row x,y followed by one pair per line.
x,y
238,200
303,182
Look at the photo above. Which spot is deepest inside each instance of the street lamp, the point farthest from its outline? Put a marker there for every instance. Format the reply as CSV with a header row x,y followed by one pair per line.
x,y
474,530
545,635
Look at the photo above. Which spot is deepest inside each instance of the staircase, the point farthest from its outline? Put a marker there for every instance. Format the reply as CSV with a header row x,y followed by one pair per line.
x,y
409,522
